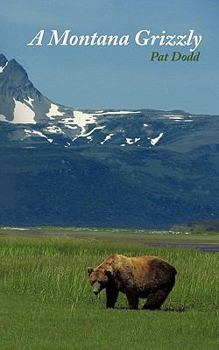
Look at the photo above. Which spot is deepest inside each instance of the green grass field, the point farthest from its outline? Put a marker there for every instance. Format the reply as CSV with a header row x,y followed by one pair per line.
x,y
46,301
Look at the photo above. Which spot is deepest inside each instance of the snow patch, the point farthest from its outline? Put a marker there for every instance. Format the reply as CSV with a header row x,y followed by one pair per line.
x,y
3,118
54,130
82,119
68,121
90,132
156,139
23,114
108,137
183,121
132,141
54,111
30,133
71,127
174,116
29,100
3,67
117,112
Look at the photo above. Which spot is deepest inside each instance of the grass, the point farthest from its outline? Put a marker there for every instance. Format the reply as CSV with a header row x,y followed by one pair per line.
x,y
46,301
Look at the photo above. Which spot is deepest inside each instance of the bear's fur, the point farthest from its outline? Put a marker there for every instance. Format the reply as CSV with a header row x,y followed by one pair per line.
x,y
147,277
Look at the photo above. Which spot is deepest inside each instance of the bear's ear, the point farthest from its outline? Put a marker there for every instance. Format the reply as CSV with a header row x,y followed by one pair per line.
x,y
90,270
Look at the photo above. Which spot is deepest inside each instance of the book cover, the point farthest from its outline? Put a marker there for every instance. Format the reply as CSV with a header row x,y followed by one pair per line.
x,y
109,207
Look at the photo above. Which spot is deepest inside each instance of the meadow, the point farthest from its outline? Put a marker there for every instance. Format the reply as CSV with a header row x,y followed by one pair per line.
x,y
46,301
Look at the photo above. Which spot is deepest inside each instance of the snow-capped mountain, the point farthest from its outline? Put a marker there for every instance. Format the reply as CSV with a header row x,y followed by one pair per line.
x,y
20,101
38,119
121,168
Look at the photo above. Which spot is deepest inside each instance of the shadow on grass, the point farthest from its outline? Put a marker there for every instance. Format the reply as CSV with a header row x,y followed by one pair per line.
x,y
165,309
180,308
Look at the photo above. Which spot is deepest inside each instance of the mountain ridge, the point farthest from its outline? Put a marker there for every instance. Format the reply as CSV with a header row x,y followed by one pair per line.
x,y
61,166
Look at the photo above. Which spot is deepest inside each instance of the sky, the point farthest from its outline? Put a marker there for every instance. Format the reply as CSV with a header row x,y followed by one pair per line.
x,y
116,77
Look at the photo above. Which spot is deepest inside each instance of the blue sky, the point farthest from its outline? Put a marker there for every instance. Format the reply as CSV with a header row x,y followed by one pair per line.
x,y
116,77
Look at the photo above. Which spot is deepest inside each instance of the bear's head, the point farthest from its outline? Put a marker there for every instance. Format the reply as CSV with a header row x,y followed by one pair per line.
x,y
99,278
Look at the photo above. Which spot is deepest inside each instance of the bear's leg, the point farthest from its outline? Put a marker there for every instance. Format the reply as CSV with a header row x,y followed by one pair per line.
x,y
111,296
156,299
132,301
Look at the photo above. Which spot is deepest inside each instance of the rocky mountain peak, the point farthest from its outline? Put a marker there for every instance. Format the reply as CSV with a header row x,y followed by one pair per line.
x,y
15,74
3,60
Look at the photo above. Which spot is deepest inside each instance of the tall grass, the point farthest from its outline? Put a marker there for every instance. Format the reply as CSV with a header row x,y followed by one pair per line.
x,y
54,268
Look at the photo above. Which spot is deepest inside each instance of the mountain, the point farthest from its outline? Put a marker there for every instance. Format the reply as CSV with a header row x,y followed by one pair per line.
x,y
20,101
119,168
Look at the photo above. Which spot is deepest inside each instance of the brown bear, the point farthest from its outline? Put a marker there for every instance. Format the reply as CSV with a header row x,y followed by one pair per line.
x,y
147,277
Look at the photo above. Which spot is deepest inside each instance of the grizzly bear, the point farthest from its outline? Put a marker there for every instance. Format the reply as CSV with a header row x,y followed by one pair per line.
x,y
147,277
